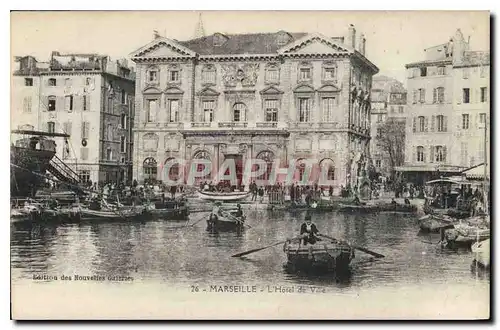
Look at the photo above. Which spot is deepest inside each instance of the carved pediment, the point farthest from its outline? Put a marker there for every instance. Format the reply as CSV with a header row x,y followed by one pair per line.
x,y
329,89
151,90
208,92
304,89
162,47
271,91
315,44
173,90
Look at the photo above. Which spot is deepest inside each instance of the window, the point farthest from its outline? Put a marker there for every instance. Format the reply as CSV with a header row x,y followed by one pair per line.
x,y
421,123
51,103
401,109
465,73
52,82
84,176
380,118
438,95
109,154
465,121
124,96
88,81
173,110
328,105
378,163
441,70
68,102
109,132
51,127
272,74
150,168
466,95
304,110
151,110
110,105
123,121
28,81
484,94
482,118
305,74
440,123
67,82
27,104
208,75
271,108
85,130
239,112
415,96
67,126
421,93
85,102
379,132
439,154
208,111
329,73
153,76
420,154
123,144
393,109
423,72
173,76
65,148
84,153
483,71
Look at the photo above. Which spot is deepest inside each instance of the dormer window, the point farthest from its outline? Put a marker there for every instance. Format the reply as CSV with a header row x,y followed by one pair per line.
x,y
305,74
329,71
219,39
283,38
272,74
208,74
153,76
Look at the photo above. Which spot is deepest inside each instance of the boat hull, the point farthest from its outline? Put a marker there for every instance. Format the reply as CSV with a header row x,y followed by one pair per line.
x,y
481,251
223,224
433,224
223,197
103,215
465,236
26,174
388,207
322,256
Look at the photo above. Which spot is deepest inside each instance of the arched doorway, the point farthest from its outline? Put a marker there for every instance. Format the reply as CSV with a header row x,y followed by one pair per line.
x,y
268,157
327,168
205,155
150,170
173,171
300,166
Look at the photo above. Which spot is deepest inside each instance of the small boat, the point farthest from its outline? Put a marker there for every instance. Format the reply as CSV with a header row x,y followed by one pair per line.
x,y
314,207
465,235
222,196
385,207
326,255
225,223
481,251
168,210
434,224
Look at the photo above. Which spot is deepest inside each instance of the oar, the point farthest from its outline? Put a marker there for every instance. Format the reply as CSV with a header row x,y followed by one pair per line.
x,y
229,215
375,254
262,248
200,219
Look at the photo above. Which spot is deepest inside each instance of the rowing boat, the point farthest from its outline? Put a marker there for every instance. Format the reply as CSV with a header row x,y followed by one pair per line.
x,y
465,235
327,255
433,224
225,223
223,197
386,207
481,251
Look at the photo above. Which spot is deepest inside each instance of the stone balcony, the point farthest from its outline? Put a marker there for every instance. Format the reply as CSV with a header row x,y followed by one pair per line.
x,y
267,124
233,124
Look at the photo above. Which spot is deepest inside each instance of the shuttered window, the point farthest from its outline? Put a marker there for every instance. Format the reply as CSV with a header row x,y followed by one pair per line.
x,y
27,104
85,130
304,110
328,107
271,108
208,111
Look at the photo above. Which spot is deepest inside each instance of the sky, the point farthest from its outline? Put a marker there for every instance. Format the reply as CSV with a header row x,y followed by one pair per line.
x,y
393,38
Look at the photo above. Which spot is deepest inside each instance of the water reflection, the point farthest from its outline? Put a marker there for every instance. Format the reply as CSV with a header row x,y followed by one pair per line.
x,y
170,251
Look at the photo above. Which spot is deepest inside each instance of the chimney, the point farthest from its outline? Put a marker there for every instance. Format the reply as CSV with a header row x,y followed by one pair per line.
x,y
351,36
362,44
156,35
459,47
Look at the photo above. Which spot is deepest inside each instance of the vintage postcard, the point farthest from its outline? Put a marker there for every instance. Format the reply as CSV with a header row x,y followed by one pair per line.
x,y
226,165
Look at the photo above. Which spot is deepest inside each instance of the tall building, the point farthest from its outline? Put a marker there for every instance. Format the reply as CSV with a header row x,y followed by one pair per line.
x,y
271,96
388,98
88,96
448,107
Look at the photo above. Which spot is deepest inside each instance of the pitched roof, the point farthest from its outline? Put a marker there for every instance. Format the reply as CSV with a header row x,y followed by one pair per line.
x,y
254,43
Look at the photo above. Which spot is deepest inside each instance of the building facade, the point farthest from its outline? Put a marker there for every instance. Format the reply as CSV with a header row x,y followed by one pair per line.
x,y
449,104
388,98
274,96
88,96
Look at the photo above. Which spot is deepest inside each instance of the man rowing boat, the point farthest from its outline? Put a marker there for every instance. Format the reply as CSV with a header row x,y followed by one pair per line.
x,y
309,231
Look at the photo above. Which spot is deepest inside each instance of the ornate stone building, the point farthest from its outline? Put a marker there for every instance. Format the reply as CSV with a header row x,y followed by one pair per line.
x,y
88,96
273,96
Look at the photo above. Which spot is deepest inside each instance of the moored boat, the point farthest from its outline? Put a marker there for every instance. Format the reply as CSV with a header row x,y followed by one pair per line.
x,y
465,235
385,207
326,255
434,224
225,223
481,251
169,210
223,196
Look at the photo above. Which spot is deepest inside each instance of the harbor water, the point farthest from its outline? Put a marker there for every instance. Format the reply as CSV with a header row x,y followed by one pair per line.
x,y
169,253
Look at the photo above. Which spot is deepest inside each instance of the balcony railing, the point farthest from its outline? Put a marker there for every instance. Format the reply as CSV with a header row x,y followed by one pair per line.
x,y
233,124
267,124
329,125
200,124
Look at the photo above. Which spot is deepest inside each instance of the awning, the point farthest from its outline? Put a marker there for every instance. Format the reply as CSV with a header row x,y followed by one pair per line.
x,y
429,168
475,172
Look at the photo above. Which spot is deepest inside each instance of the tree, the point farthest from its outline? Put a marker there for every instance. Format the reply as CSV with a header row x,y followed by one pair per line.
x,y
391,142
